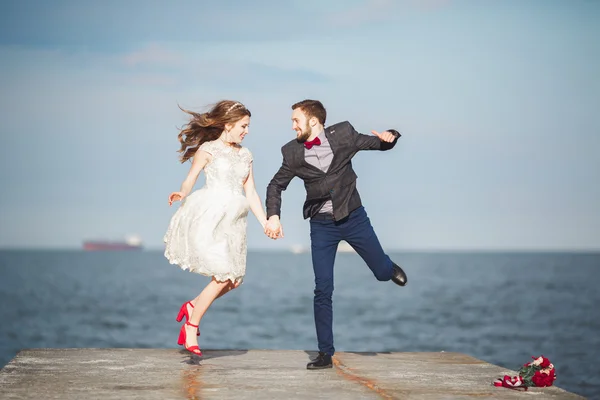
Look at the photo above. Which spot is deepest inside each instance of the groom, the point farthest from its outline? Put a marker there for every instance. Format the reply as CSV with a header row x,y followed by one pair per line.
x,y
322,157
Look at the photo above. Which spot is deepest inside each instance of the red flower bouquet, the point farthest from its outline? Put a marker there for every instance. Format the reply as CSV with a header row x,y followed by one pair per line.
x,y
538,373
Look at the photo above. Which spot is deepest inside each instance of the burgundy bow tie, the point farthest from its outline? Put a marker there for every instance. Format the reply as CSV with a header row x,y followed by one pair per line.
x,y
315,142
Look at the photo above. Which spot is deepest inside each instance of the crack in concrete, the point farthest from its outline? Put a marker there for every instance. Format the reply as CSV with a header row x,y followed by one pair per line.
x,y
346,373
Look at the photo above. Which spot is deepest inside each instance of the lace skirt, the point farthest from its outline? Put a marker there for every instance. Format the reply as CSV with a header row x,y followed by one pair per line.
x,y
207,235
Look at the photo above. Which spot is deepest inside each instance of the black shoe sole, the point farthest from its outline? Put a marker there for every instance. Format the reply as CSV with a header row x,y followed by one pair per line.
x,y
321,367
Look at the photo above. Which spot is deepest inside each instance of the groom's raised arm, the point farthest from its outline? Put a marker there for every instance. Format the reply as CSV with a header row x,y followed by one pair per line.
x,y
378,141
279,183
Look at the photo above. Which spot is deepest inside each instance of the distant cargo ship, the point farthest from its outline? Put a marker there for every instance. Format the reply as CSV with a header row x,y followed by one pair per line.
x,y
130,243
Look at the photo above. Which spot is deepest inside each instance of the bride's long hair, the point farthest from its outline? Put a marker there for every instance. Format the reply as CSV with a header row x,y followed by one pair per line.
x,y
208,126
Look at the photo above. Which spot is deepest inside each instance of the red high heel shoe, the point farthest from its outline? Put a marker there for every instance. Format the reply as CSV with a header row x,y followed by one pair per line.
x,y
183,312
182,336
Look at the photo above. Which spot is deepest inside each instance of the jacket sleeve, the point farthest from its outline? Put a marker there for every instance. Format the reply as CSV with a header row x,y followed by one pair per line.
x,y
279,183
372,142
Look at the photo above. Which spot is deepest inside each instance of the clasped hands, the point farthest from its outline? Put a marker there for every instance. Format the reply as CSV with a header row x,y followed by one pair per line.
x,y
273,228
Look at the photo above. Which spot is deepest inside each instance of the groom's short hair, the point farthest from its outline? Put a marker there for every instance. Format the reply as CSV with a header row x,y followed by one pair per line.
x,y
312,108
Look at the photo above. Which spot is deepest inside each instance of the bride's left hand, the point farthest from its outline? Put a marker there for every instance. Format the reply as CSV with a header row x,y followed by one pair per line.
x,y
176,196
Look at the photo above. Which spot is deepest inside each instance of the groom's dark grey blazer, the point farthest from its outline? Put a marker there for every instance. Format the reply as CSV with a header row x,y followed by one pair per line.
x,y
338,184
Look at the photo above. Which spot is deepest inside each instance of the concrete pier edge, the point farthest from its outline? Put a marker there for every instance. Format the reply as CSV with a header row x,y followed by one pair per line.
x,y
253,374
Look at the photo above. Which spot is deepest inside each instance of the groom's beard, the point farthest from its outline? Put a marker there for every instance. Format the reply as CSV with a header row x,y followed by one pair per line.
x,y
305,134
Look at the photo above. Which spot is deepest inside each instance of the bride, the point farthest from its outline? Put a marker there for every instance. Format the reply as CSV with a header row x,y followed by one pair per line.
x,y
207,234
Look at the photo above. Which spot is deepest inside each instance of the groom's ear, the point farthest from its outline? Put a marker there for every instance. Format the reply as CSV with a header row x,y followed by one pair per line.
x,y
313,121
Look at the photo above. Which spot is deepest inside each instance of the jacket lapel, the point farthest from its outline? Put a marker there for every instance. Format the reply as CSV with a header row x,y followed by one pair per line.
x,y
301,160
333,143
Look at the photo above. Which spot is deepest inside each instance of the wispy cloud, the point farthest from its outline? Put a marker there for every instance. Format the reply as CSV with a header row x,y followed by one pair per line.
x,y
431,5
373,11
369,11
166,64
153,55
153,80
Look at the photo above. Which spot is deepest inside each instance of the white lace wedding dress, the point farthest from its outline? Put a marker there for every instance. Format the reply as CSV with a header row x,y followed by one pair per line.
x,y
207,234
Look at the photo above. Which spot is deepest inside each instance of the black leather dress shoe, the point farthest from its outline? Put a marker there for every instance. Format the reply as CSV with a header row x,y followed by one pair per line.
x,y
399,277
322,361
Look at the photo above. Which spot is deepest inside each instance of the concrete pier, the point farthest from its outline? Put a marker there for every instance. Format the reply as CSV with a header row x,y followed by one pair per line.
x,y
252,374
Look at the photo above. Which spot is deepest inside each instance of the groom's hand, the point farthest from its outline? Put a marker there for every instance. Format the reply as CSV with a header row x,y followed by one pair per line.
x,y
273,228
385,136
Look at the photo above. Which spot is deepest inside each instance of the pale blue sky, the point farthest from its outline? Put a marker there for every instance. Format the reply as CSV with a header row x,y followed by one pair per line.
x,y
497,101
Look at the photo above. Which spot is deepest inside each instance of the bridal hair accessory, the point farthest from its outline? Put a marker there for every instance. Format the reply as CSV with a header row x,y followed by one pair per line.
x,y
233,106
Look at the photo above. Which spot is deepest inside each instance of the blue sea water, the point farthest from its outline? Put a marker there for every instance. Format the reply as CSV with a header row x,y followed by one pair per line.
x,y
502,308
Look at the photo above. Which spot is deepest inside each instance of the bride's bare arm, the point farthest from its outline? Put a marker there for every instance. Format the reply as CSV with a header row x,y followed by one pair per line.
x,y
201,158
254,199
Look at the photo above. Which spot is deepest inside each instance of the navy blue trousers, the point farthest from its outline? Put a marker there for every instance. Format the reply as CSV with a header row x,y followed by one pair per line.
x,y
325,235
